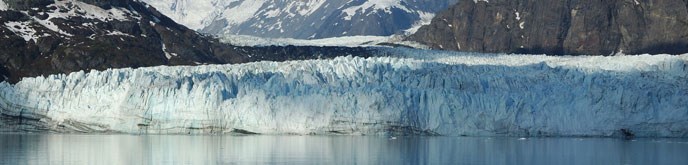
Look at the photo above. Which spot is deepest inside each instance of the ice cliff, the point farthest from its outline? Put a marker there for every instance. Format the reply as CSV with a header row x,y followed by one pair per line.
x,y
433,93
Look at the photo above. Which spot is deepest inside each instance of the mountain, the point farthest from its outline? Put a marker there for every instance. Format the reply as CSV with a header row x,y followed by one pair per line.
x,y
41,37
426,93
561,27
302,19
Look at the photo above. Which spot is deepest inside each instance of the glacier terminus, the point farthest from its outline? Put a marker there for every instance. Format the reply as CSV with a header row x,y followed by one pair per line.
x,y
411,92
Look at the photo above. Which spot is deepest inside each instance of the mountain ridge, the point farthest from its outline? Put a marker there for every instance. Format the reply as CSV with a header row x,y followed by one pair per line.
x,y
42,37
308,19
571,27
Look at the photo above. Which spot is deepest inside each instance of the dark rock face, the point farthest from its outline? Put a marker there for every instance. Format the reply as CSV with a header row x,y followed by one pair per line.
x,y
574,27
27,4
69,35
107,4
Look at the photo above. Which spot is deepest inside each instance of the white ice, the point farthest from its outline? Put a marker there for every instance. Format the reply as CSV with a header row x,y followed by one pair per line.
x,y
416,91
346,41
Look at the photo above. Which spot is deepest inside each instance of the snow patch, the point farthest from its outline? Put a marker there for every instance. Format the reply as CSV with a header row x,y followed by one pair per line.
x,y
85,10
242,13
3,6
305,8
168,55
425,19
49,25
24,30
374,6
272,13
119,33
73,9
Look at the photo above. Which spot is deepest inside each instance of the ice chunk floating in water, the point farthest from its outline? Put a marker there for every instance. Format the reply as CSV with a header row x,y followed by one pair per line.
x,y
444,94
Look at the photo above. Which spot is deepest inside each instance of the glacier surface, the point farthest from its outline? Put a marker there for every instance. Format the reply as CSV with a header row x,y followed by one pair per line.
x,y
436,93
348,41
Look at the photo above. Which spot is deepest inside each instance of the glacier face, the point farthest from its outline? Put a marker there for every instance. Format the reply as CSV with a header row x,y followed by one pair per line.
x,y
411,93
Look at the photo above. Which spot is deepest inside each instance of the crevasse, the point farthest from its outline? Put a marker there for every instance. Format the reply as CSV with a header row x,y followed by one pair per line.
x,y
439,94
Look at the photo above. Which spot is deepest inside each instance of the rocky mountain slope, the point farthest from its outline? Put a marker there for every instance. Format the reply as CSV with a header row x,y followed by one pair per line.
x,y
561,27
40,37
303,19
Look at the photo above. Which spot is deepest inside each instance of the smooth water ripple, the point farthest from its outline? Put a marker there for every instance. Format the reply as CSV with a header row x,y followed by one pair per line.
x,y
179,149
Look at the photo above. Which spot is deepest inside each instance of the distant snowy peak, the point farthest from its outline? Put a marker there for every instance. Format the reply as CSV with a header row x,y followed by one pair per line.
x,y
304,19
202,13
374,6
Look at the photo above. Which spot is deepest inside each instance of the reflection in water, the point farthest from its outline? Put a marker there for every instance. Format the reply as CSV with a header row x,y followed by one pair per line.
x,y
177,149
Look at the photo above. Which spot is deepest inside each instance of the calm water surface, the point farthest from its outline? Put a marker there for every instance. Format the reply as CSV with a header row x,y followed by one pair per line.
x,y
178,149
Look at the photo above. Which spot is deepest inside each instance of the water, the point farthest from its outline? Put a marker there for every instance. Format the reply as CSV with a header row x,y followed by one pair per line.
x,y
178,149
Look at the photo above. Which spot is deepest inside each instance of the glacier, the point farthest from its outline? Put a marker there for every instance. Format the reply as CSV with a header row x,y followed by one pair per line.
x,y
409,93
348,41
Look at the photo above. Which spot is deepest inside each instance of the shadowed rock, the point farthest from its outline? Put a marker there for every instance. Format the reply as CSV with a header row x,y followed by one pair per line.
x,y
561,27
49,37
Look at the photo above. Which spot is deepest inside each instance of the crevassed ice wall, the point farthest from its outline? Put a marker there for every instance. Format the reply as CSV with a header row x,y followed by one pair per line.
x,y
446,94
